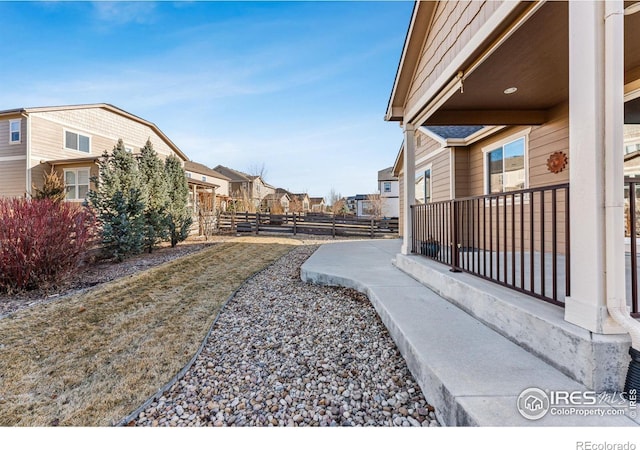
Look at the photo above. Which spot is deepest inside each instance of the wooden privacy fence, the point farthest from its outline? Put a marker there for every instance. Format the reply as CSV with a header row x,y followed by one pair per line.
x,y
319,224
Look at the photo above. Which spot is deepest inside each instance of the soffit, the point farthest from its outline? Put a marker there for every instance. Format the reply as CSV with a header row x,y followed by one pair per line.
x,y
535,60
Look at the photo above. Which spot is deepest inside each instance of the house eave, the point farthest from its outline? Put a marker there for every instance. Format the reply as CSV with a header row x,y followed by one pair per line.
x,y
419,26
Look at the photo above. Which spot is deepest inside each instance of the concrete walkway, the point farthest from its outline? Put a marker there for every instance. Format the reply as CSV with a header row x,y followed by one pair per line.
x,y
471,374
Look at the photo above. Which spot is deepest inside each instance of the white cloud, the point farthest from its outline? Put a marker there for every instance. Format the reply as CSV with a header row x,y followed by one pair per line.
x,y
121,13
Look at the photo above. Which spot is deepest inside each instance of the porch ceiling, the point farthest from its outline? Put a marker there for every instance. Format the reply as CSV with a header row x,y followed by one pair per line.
x,y
535,60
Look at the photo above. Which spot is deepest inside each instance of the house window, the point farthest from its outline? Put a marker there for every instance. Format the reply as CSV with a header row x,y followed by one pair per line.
x,y
505,166
188,174
128,149
630,148
76,141
14,131
387,186
76,183
204,178
423,187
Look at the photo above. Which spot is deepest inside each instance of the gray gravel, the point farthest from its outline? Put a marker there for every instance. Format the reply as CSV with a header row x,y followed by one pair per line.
x,y
286,353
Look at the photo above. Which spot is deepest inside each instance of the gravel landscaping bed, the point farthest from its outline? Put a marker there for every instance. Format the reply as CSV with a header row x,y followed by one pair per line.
x,y
287,353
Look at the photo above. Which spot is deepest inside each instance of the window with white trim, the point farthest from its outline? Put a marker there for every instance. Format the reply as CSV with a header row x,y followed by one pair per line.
x,y
505,167
188,174
76,183
15,131
387,186
423,186
77,141
204,178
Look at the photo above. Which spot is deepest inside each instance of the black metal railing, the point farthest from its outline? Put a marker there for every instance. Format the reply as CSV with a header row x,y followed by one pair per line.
x,y
518,239
632,196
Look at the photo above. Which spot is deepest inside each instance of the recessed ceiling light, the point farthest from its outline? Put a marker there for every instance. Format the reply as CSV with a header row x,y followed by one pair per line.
x,y
510,90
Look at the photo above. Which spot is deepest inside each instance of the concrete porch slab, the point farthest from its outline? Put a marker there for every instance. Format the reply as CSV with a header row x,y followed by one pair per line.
x,y
598,361
470,373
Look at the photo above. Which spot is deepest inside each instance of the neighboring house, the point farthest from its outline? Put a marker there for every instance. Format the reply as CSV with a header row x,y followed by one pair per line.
x,y
280,198
303,200
508,151
362,205
317,204
389,188
200,174
202,196
245,188
68,139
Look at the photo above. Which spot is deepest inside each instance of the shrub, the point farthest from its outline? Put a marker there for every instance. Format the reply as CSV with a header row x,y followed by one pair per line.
x,y
42,242
52,188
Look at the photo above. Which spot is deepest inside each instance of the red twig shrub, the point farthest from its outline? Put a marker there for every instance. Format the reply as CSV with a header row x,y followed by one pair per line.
x,y
42,242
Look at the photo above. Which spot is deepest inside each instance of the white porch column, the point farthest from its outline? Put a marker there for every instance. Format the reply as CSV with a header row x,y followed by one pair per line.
x,y
596,177
409,167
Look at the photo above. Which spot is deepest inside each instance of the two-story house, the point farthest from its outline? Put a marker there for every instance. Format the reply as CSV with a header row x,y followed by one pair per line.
x,y
68,139
247,191
389,188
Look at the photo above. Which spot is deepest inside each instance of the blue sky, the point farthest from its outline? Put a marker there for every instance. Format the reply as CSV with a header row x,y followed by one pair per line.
x,y
300,87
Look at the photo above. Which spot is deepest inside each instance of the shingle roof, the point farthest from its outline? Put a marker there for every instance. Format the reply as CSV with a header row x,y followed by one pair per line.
x,y
454,131
233,175
387,175
192,166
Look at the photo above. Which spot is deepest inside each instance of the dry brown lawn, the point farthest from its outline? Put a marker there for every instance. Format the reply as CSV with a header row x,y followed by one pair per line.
x,y
91,359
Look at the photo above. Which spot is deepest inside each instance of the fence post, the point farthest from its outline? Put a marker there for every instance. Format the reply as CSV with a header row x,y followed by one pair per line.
x,y
372,228
454,235
333,225
257,223
294,224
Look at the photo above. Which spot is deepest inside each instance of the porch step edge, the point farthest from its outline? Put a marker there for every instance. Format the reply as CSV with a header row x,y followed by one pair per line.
x,y
536,326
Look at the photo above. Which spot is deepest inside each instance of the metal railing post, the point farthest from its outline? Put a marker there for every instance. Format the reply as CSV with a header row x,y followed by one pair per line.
x,y
455,264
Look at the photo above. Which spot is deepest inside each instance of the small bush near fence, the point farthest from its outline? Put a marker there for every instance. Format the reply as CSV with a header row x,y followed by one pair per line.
x,y
42,242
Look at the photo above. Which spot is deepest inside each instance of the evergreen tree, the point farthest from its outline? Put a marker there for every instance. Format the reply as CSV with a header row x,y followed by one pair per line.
x,y
152,176
119,201
178,213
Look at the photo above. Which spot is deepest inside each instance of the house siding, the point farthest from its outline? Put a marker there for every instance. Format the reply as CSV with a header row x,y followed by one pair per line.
x,y
545,139
103,126
453,26
462,186
11,150
430,152
13,181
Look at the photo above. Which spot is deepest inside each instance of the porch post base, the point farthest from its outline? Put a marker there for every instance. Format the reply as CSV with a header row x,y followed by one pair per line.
x,y
591,317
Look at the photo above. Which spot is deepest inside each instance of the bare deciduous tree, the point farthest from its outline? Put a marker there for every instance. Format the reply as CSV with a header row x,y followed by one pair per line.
x,y
336,203
258,170
375,206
